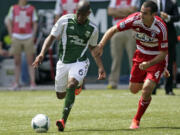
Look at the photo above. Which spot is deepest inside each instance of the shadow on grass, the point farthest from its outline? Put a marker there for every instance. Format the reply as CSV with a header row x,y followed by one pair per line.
x,y
114,130
99,130
163,127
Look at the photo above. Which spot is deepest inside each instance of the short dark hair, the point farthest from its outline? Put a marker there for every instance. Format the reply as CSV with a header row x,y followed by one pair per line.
x,y
83,6
152,5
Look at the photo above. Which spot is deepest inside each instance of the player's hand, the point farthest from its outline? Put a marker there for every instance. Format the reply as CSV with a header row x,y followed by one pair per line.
x,y
102,74
166,73
38,60
144,65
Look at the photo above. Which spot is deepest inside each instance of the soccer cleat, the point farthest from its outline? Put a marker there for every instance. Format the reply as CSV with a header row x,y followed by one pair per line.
x,y
134,124
60,124
78,90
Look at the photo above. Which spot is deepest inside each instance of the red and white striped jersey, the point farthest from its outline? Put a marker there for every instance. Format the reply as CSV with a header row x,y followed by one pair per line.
x,y
64,7
149,41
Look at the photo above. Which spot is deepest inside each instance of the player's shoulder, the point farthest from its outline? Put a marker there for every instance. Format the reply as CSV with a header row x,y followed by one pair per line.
x,y
65,18
160,22
134,16
68,16
161,26
92,24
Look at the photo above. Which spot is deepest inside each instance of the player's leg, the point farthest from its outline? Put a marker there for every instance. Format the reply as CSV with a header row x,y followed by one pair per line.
x,y
68,104
79,88
77,72
153,75
144,102
136,78
61,79
135,87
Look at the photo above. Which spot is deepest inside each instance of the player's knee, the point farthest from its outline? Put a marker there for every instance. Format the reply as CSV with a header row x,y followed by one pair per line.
x,y
60,95
72,83
133,89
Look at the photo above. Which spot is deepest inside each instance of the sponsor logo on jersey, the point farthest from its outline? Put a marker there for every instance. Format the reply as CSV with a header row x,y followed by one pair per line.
x,y
143,37
72,27
146,40
87,34
74,39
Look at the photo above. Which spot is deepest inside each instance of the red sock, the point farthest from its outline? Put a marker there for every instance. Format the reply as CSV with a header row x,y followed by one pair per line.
x,y
142,106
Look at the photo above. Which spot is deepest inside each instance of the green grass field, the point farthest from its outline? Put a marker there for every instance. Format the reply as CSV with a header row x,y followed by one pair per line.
x,y
95,112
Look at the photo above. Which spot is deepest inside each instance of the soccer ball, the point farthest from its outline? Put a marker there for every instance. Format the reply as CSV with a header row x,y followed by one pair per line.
x,y
40,123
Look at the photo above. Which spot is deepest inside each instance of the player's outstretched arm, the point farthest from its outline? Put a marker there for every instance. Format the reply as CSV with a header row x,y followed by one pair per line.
x,y
109,33
97,58
47,43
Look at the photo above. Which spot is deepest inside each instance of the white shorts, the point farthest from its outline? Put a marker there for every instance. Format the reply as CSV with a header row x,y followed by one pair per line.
x,y
64,72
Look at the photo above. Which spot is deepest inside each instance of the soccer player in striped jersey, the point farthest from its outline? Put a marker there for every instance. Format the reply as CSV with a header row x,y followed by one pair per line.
x,y
149,60
77,33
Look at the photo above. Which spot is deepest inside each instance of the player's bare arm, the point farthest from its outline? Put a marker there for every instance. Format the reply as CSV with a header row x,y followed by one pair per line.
x,y
146,64
47,43
97,58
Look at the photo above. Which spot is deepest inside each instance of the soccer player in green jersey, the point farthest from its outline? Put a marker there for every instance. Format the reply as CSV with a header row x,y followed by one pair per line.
x,y
77,33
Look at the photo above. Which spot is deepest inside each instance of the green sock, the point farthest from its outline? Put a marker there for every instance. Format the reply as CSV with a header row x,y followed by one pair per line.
x,y
69,101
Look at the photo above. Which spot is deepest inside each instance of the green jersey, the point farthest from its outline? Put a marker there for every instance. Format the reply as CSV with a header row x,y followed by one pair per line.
x,y
74,38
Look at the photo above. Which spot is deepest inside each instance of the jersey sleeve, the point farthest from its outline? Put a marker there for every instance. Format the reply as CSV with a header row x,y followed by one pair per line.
x,y
126,23
59,26
94,38
163,39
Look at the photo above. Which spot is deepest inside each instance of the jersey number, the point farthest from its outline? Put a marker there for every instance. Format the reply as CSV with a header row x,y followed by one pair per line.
x,y
157,74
